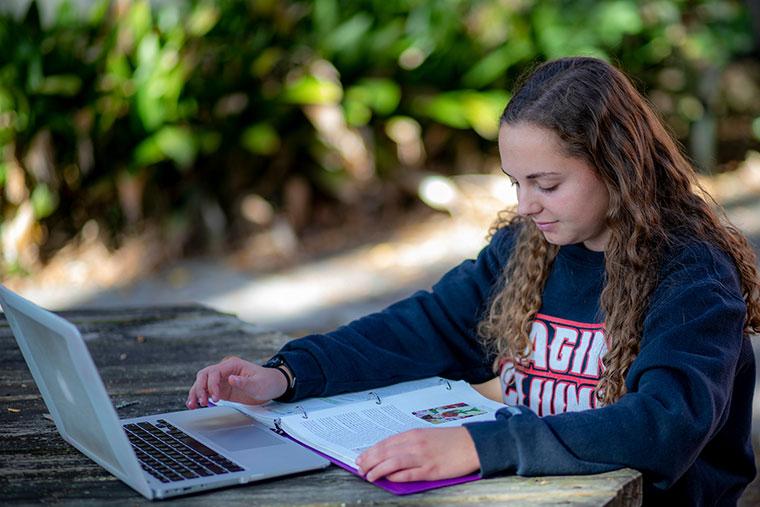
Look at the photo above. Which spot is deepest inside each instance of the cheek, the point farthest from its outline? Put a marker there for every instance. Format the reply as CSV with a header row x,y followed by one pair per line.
x,y
598,204
573,203
584,205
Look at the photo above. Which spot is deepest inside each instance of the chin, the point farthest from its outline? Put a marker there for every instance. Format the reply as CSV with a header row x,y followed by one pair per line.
x,y
556,240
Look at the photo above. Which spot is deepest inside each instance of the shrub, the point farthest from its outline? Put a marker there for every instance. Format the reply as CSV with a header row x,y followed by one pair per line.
x,y
126,112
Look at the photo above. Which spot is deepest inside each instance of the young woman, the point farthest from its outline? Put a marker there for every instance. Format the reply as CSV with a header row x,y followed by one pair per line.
x,y
614,307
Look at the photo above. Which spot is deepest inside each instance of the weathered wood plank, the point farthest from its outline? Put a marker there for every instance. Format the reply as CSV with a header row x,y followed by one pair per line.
x,y
147,357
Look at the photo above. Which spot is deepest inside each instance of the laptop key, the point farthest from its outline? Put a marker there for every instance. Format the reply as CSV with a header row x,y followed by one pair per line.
x,y
154,473
169,454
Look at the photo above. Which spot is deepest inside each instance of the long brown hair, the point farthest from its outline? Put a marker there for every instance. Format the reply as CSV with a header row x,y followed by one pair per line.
x,y
600,117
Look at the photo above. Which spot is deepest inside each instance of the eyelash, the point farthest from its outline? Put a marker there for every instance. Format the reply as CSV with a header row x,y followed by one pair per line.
x,y
542,189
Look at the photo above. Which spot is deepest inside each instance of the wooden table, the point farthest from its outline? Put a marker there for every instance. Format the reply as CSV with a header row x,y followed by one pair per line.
x,y
147,358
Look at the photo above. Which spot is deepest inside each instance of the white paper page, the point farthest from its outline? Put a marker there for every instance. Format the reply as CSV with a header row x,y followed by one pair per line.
x,y
268,412
345,432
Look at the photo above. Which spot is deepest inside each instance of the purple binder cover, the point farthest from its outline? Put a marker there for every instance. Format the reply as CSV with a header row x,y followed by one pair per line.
x,y
397,488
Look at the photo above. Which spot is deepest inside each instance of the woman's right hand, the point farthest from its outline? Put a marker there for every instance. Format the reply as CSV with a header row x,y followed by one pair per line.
x,y
235,379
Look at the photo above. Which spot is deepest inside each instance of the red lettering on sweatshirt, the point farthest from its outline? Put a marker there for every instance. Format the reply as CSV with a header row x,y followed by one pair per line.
x,y
562,370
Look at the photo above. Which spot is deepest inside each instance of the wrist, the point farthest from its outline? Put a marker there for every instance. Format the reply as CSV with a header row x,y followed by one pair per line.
x,y
278,363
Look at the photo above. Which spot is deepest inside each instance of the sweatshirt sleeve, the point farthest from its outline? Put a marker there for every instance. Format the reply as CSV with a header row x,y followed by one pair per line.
x,y
429,333
678,389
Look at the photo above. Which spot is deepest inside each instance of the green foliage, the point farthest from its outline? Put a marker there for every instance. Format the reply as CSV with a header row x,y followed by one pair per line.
x,y
208,101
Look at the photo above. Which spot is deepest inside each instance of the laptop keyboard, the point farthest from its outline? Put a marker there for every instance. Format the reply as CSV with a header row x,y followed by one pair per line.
x,y
169,454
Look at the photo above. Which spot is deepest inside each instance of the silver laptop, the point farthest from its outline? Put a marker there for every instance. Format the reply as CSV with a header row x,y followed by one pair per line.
x,y
161,455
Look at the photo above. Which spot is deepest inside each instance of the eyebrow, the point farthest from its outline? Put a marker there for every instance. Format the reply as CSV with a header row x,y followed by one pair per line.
x,y
533,176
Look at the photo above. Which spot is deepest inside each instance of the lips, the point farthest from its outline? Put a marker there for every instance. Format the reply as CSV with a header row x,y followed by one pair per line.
x,y
545,226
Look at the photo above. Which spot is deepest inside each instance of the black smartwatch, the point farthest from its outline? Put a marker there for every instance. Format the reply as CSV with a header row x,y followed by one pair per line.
x,y
278,363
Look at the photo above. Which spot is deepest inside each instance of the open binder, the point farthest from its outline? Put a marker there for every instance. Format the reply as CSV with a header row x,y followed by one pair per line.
x,y
343,426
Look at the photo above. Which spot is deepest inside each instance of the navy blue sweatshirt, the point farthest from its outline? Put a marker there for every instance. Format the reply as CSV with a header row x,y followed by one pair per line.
x,y
684,421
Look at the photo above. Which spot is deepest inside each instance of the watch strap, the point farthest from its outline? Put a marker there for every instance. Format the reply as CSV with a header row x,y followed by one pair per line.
x,y
278,363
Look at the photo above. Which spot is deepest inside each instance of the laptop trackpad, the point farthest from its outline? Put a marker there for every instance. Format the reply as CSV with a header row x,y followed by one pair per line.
x,y
241,438
226,428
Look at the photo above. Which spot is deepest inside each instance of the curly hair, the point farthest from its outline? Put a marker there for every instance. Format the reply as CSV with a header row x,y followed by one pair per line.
x,y
601,118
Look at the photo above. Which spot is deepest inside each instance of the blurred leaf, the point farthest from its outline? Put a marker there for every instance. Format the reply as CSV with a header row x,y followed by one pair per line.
x,y
346,38
138,20
495,64
178,144
147,52
445,108
209,142
357,113
466,108
148,152
169,18
310,89
34,72
265,62
483,110
203,19
7,117
261,139
379,95
325,16
691,108
616,19
98,11
117,71
171,142
63,84
44,201
383,40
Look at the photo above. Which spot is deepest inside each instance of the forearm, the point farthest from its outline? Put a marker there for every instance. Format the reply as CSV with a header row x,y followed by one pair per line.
x,y
429,333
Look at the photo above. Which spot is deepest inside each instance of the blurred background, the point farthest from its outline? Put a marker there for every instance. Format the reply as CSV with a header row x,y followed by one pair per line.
x,y
209,126
302,162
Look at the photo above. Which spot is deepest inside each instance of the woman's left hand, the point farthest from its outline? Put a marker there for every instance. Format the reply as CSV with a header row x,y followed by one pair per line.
x,y
421,455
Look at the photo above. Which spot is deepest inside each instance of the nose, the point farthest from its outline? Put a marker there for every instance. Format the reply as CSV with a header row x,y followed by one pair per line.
x,y
527,203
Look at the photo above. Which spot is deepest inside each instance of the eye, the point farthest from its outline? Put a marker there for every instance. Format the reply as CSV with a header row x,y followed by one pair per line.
x,y
548,189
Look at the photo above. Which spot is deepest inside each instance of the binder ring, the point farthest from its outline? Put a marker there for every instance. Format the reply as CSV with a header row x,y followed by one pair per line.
x,y
303,411
378,401
446,383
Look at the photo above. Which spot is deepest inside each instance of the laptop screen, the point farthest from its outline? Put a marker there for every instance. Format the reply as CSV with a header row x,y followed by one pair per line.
x,y
71,387
60,376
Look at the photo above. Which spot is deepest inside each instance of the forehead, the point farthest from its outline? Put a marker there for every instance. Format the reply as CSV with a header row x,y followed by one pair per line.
x,y
527,149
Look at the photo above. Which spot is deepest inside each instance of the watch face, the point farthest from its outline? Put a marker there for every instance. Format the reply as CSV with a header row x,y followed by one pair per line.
x,y
274,362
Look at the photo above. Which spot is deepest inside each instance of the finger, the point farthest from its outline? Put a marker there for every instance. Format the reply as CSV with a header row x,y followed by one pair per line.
x,y
407,475
191,401
377,453
192,395
213,384
392,465
201,395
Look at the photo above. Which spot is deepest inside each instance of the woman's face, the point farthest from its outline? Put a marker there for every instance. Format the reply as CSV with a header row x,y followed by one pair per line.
x,y
563,195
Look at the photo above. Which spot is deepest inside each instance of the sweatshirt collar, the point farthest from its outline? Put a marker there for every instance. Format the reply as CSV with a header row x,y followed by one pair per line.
x,y
579,254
